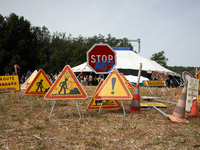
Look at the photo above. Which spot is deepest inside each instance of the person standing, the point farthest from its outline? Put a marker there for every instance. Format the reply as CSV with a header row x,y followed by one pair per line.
x,y
90,79
55,76
95,81
28,73
81,78
17,70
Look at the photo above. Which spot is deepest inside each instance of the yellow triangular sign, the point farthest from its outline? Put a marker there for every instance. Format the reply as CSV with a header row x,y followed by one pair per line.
x,y
108,104
40,84
65,87
128,84
113,88
28,81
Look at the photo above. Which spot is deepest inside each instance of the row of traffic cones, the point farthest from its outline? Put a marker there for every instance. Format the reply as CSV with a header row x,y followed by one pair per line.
x,y
179,111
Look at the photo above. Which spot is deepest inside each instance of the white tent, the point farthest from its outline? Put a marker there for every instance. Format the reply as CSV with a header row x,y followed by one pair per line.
x,y
128,62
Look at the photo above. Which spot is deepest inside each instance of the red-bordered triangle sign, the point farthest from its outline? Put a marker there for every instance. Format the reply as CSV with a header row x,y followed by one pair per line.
x,y
66,86
108,104
40,84
29,80
113,88
128,84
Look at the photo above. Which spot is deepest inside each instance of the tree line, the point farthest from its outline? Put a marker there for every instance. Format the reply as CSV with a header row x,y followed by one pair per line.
x,y
162,60
34,48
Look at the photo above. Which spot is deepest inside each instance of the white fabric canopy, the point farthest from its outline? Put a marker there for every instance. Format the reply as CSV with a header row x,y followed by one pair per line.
x,y
127,59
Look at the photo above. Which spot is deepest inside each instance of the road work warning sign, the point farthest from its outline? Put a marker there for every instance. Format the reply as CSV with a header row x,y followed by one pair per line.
x,y
40,84
107,104
113,88
65,87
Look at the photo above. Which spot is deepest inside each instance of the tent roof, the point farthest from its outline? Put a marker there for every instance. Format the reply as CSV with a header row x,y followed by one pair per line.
x,y
127,59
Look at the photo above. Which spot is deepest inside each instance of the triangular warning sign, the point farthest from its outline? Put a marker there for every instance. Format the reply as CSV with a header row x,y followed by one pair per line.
x,y
128,84
40,84
66,86
108,104
113,88
28,81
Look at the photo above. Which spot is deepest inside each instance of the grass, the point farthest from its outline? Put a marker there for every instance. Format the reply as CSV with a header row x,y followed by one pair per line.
x,y
19,123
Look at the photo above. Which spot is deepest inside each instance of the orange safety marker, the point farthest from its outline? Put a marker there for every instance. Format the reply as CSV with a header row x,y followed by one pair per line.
x,y
179,111
135,103
128,84
65,87
194,109
40,84
113,88
108,104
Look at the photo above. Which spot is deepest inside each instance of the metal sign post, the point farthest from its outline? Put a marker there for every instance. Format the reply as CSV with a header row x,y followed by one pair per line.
x,y
117,116
53,105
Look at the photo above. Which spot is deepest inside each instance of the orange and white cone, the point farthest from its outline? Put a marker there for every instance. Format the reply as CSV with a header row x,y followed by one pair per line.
x,y
179,111
135,104
194,108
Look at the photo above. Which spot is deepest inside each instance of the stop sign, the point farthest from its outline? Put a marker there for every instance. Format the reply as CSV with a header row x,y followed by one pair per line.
x,y
101,58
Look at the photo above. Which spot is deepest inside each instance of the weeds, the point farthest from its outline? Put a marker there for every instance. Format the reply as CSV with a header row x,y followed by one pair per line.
x,y
20,116
93,142
106,120
149,131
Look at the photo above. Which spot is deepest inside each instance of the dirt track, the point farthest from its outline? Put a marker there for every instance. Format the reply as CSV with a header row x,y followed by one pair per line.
x,y
23,127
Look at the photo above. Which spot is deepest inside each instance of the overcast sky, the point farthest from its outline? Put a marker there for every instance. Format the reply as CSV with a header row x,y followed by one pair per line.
x,y
172,26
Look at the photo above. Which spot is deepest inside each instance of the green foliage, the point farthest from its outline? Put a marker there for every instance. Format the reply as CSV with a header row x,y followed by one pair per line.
x,y
15,43
181,69
160,58
35,48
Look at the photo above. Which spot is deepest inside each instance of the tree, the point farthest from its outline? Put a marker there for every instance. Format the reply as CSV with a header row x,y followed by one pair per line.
x,y
160,58
35,48
42,39
15,43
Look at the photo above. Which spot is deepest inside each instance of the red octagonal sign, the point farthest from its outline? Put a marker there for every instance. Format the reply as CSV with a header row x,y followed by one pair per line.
x,y
101,58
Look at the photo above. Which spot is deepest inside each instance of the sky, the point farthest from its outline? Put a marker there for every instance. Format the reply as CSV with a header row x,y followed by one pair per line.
x,y
172,26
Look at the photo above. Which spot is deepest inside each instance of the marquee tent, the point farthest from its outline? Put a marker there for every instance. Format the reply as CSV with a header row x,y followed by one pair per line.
x,y
128,63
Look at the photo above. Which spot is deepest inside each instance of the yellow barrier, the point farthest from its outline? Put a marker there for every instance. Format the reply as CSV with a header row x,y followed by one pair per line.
x,y
9,83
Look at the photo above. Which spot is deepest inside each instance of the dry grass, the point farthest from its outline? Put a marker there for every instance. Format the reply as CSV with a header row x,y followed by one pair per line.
x,y
23,127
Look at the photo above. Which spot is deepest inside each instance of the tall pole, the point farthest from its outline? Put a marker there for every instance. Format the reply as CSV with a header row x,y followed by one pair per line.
x,y
139,74
138,40
138,46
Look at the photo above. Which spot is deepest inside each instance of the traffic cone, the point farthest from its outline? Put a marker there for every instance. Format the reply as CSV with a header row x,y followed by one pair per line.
x,y
135,104
194,108
177,95
179,111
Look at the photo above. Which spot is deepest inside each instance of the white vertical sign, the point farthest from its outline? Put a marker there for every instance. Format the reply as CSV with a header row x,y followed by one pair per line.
x,y
192,89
